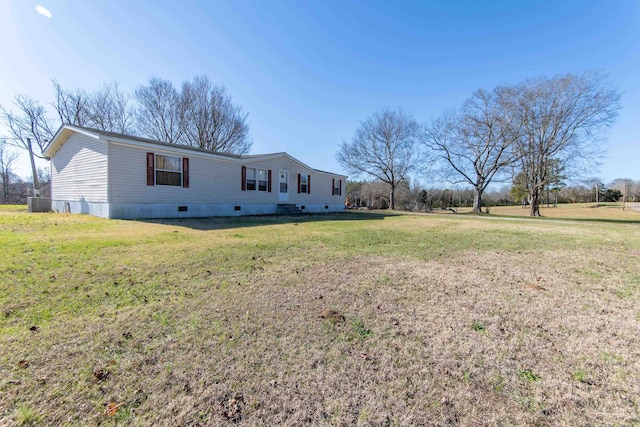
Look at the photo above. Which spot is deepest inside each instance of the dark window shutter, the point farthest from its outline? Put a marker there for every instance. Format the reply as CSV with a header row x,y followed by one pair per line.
x,y
244,178
298,183
151,172
333,186
308,184
269,184
185,172
340,183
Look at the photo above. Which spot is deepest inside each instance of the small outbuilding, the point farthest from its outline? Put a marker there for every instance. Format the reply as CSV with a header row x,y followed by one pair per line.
x,y
112,175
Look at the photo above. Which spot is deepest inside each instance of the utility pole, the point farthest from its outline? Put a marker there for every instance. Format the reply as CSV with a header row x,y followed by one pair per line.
x,y
36,184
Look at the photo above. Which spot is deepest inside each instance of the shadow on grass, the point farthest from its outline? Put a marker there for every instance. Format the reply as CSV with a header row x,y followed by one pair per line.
x,y
13,208
222,223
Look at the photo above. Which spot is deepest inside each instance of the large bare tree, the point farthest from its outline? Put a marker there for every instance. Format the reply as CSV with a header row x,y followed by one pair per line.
x,y
211,120
475,142
110,109
29,128
563,120
160,112
383,147
72,106
107,108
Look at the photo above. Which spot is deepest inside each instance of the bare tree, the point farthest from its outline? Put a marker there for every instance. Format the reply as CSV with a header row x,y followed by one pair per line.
x,y
375,194
475,143
6,165
44,179
28,126
73,107
160,113
562,119
384,147
625,186
634,191
110,110
211,120
107,108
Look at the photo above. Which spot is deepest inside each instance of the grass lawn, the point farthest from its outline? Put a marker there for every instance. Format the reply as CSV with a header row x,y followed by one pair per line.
x,y
349,319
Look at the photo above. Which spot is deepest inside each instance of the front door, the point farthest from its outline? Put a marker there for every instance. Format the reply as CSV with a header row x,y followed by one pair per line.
x,y
283,186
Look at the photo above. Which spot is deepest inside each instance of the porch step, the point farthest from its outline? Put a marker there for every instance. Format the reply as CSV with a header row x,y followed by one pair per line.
x,y
289,209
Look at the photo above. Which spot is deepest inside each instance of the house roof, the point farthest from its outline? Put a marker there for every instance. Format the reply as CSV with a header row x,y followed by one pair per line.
x,y
66,130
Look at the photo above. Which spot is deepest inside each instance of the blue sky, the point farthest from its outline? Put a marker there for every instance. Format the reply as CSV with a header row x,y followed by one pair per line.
x,y
308,72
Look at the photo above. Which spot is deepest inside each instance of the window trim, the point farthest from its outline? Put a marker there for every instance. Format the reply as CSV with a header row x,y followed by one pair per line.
x,y
157,169
152,170
302,185
253,180
245,179
266,180
336,190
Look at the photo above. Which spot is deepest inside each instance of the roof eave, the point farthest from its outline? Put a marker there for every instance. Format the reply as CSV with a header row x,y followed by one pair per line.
x,y
61,136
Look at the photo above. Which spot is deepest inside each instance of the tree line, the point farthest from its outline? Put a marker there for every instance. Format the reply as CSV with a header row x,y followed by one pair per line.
x,y
198,114
412,195
535,134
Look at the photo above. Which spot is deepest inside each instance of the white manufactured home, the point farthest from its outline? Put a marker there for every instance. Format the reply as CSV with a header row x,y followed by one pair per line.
x,y
120,176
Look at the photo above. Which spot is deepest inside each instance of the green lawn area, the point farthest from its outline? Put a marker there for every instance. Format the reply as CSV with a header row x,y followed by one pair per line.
x,y
362,318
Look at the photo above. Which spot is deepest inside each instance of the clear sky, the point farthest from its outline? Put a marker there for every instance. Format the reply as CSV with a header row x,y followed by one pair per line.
x,y
308,72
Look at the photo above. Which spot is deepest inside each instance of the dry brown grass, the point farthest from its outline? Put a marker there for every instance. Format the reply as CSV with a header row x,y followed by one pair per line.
x,y
396,321
592,211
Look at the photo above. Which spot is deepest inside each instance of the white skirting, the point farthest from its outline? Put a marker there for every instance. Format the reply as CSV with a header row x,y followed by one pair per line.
x,y
176,210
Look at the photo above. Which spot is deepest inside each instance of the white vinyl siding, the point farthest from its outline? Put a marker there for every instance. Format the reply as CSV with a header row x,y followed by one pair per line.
x,y
211,180
79,170
320,191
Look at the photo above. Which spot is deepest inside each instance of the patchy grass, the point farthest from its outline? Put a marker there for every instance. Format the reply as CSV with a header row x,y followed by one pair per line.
x,y
354,319
528,375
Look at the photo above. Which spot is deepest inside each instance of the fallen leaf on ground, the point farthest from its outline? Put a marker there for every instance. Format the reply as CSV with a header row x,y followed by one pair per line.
x,y
112,408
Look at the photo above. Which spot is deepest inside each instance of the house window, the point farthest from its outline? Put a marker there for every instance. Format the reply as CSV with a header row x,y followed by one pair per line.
x,y
251,179
263,180
337,187
304,184
256,179
168,170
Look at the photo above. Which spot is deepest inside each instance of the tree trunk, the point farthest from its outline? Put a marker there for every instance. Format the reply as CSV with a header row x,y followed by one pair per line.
x,y
547,196
477,201
5,185
534,199
392,197
36,184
